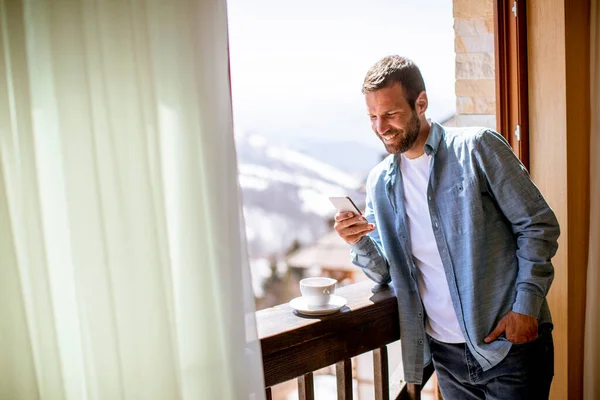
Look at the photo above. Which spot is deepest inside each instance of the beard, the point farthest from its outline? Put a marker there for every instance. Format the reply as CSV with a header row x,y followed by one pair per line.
x,y
405,138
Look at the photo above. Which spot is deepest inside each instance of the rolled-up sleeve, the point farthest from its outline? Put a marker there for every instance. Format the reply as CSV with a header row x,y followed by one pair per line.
x,y
534,224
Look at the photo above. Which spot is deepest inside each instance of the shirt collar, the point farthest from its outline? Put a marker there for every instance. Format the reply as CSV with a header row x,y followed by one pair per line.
x,y
435,136
436,132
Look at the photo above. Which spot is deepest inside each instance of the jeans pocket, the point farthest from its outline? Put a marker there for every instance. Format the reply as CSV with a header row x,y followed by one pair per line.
x,y
547,352
524,344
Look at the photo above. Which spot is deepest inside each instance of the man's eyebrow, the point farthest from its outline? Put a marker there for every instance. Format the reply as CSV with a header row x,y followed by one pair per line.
x,y
390,111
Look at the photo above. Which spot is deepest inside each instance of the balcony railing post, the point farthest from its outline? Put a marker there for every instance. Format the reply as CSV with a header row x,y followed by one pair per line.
x,y
414,391
381,370
343,373
306,387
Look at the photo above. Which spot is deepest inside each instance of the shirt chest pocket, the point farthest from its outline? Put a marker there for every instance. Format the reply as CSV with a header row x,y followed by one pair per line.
x,y
462,203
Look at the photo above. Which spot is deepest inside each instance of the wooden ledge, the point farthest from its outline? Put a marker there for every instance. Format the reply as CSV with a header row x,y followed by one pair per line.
x,y
294,345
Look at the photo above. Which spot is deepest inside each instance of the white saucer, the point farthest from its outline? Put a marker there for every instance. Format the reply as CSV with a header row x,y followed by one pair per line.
x,y
336,302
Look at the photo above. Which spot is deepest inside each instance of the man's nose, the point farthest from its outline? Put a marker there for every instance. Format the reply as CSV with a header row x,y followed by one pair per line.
x,y
382,126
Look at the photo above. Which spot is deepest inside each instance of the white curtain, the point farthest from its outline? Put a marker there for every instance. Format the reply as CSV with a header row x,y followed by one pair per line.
x,y
123,272
592,320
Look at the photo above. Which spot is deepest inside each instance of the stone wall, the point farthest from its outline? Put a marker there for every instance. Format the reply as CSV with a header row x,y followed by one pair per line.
x,y
474,47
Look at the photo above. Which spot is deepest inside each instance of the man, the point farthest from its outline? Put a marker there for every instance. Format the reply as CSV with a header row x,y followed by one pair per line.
x,y
465,238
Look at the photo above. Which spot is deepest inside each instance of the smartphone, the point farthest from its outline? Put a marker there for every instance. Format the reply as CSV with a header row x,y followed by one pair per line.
x,y
345,204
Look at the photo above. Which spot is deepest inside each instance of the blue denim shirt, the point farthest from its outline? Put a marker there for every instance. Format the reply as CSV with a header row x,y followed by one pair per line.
x,y
494,231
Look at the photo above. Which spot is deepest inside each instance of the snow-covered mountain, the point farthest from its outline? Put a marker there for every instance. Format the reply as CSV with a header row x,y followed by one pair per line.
x,y
285,195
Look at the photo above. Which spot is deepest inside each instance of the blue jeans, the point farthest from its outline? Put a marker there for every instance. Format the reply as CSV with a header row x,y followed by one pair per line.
x,y
525,373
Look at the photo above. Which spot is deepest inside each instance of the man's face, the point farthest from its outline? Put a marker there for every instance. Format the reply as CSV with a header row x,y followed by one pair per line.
x,y
393,120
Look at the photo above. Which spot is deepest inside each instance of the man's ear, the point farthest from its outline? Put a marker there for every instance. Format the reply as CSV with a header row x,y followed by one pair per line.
x,y
421,103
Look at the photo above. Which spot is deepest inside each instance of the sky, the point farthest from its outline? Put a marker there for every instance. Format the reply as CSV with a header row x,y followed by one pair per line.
x,y
297,66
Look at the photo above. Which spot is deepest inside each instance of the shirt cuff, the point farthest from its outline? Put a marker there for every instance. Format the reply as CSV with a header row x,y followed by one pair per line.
x,y
528,303
362,246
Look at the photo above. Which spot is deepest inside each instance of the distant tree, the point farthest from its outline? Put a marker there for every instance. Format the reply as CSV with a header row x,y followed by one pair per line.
x,y
279,288
295,246
274,278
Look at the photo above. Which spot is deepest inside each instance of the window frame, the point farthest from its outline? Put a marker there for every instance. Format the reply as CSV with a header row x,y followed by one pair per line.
x,y
510,51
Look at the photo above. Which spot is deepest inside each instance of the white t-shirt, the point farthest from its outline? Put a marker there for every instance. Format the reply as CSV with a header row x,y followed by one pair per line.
x,y
441,323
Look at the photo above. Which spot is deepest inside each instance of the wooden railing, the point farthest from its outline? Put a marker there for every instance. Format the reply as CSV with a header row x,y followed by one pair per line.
x,y
294,346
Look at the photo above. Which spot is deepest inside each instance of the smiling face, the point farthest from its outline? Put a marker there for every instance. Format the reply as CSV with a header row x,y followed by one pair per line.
x,y
393,120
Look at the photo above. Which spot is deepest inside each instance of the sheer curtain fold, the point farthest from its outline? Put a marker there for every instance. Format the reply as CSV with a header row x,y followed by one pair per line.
x,y
123,272
592,321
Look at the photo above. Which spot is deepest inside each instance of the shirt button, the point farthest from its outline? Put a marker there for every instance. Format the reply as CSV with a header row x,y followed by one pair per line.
x,y
436,225
429,197
420,342
420,314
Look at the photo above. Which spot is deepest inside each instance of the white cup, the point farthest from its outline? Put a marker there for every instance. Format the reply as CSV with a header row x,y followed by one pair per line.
x,y
317,291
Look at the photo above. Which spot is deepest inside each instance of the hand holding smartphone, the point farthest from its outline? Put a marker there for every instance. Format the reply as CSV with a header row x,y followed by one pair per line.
x,y
351,229
345,204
